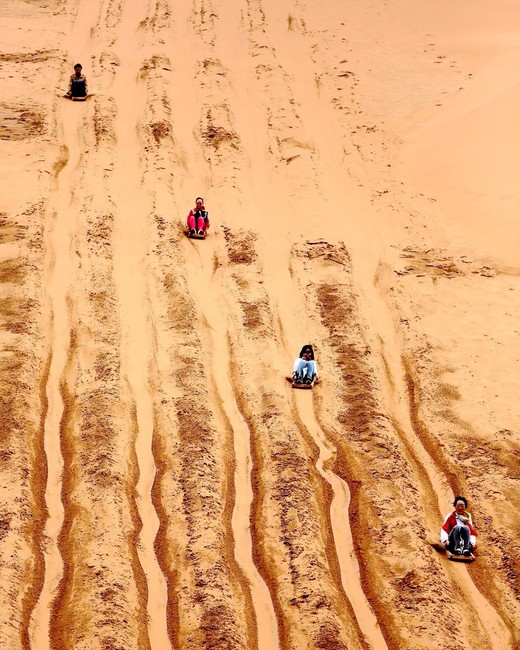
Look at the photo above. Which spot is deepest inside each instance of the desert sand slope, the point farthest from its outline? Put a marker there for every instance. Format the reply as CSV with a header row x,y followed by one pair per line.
x,y
162,486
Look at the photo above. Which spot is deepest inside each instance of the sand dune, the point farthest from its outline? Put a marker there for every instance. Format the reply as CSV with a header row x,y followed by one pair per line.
x,y
162,486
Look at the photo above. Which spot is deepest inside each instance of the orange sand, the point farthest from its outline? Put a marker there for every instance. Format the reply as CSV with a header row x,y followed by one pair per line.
x,y
161,484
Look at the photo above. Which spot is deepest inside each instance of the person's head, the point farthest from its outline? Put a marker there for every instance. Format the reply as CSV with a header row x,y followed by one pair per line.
x,y
77,69
199,202
307,352
460,504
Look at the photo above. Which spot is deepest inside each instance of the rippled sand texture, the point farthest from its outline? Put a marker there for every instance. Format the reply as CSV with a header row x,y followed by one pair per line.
x,y
161,485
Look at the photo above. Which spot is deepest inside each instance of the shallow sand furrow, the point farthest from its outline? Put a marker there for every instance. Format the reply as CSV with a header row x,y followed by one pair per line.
x,y
158,18
23,369
100,603
216,131
61,267
290,530
291,147
496,608
208,601
370,442
210,297
495,556
341,551
130,271
193,483
161,484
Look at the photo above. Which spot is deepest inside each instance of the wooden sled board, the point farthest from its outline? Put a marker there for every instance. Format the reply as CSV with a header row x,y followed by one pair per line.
x,y
196,236
460,558
79,99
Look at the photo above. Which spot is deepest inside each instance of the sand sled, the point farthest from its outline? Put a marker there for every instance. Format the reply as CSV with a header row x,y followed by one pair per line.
x,y
460,558
76,99
196,235
304,386
451,556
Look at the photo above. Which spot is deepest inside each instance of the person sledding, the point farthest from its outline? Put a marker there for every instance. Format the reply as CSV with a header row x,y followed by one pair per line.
x,y
197,221
78,88
458,536
305,369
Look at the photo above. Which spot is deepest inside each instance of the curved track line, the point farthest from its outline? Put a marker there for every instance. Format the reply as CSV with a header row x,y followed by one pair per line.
x,y
60,270
129,243
343,542
201,273
365,257
339,508
351,582
434,477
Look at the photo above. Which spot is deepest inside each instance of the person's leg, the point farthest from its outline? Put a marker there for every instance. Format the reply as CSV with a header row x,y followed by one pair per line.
x,y
464,534
191,224
456,544
299,370
309,371
199,222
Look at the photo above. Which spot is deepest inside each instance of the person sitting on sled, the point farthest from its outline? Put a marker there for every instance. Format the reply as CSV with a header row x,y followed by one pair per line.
x,y
197,220
457,532
77,83
305,369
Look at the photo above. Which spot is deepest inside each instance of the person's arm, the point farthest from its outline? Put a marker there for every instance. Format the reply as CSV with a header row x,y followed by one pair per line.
x,y
86,85
206,219
473,532
296,364
190,214
315,369
69,91
445,530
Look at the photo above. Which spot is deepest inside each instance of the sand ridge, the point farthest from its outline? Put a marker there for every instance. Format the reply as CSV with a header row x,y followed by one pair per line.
x,y
162,485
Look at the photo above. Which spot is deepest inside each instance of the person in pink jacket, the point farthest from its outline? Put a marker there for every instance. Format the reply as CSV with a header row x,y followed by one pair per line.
x,y
457,533
197,220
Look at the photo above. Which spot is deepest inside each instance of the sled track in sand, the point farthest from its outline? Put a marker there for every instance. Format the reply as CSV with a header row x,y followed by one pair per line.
x,y
167,487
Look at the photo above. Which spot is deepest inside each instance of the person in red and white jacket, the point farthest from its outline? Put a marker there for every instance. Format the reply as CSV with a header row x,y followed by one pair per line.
x,y
457,533
197,220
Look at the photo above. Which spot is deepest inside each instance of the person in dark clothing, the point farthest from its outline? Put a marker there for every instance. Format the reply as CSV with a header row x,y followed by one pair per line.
x,y
77,83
